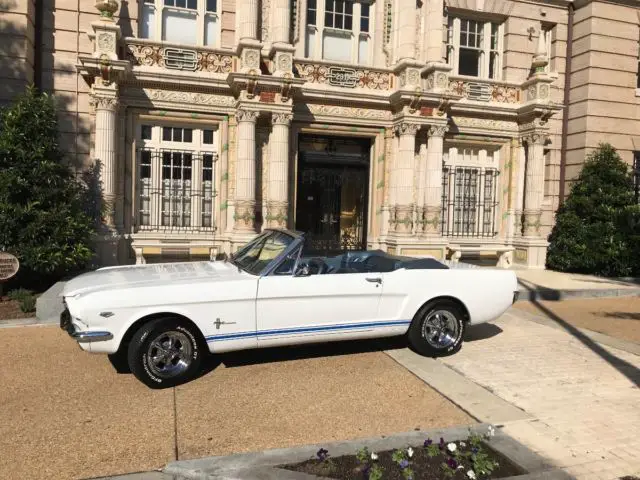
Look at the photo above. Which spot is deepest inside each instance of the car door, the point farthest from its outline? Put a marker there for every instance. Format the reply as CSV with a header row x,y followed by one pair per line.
x,y
322,307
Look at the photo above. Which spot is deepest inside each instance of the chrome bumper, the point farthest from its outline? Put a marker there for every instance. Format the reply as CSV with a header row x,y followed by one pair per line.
x,y
81,337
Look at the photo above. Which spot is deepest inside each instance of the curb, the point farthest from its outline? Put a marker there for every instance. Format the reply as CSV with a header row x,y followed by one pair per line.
x,y
26,322
550,294
264,464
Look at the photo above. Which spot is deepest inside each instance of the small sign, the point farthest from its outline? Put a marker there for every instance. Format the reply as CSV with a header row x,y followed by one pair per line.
x,y
342,77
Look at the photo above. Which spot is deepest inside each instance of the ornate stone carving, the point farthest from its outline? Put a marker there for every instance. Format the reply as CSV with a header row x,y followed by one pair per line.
x,y
277,214
251,59
535,138
264,30
214,62
189,98
544,91
153,56
532,223
104,103
491,92
107,8
282,118
284,61
363,78
245,214
351,112
403,219
431,219
106,42
438,130
247,115
406,128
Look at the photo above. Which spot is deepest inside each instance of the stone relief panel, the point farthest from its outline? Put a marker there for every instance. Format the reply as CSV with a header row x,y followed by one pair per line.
x,y
188,98
350,112
155,56
344,77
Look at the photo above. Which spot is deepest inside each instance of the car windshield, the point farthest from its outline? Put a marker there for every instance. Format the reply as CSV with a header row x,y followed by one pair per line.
x,y
261,251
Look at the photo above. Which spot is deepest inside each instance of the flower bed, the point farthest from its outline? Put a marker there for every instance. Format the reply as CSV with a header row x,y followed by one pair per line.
x,y
464,460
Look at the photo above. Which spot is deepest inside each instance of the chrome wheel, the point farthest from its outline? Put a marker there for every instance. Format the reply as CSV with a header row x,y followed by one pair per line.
x,y
169,354
440,329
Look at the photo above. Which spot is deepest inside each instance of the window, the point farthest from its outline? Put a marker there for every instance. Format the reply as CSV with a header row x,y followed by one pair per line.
x,y
469,192
261,251
339,30
189,22
474,48
175,176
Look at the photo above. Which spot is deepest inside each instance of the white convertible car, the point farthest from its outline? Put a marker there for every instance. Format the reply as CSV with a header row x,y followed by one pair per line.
x,y
160,319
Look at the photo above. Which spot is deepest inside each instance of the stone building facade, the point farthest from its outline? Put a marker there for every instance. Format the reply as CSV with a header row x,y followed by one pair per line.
x,y
420,127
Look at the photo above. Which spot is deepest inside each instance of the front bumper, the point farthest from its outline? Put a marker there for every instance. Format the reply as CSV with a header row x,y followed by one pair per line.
x,y
81,336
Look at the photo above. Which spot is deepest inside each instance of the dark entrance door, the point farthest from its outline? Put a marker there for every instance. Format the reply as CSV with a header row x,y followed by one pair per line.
x,y
332,193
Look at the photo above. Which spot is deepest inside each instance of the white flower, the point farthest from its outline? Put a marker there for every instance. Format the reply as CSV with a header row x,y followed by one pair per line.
x,y
374,456
452,447
460,467
462,444
492,431
471,474
410,452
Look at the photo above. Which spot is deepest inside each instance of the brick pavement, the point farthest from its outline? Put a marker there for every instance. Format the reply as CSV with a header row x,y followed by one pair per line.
x,y
586,412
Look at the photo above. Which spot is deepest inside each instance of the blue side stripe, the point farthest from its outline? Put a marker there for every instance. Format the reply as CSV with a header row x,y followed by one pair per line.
x,y
323,328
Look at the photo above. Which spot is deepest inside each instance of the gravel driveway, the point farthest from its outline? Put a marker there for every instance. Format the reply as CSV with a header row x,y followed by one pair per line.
x,y
68,414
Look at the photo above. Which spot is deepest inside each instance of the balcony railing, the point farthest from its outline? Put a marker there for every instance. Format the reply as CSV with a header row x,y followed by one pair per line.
x,y
345,76
484,90
148,53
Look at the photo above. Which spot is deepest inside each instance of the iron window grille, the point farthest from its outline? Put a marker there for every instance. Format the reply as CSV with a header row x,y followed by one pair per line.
x,y
469,201
175,190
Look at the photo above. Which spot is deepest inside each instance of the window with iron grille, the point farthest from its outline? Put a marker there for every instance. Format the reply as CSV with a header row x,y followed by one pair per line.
x,y
175,178
469,194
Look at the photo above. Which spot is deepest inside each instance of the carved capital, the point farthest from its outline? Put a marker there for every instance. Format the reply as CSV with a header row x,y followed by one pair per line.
x,y
104,103
438,130
245,215
277,214
247,115
406,128
535,139
282,118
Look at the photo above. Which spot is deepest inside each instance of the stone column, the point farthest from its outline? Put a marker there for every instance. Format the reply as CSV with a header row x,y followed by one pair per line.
x,y
245,175
105,149
534,184
281,21
248,19
407,18
422,181
402,177
277,190
433,192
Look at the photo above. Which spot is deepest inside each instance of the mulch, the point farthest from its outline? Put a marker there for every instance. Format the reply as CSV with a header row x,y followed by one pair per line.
x,y
10,310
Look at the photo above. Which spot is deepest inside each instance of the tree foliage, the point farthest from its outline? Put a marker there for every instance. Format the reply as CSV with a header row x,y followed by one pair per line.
x,y
42,212
597,228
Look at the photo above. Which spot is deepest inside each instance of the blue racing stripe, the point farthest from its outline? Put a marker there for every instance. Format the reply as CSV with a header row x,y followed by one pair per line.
x,y
298,330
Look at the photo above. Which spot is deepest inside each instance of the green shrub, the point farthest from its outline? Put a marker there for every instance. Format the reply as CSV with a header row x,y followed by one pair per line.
x,y
42,212
19,294
596,228
28,304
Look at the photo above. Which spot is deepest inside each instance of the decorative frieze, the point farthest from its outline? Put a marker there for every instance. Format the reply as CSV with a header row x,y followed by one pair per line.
x,y
344,76
188,98
485,123
350,112
168,57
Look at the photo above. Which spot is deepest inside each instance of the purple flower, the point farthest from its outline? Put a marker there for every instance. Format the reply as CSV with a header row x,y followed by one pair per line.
x,y
404,464
428,442
452,463
322,454
474,449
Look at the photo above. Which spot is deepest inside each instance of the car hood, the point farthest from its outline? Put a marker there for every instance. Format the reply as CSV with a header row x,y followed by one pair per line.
x,y
133,276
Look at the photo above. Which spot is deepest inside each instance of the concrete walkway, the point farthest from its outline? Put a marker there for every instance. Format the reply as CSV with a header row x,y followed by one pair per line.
x,y
571,400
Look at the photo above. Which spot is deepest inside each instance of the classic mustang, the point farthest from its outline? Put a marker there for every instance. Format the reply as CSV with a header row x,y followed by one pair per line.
x,y
160,319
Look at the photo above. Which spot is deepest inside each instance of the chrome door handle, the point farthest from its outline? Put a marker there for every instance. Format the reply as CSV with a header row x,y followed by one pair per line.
x,y
374,280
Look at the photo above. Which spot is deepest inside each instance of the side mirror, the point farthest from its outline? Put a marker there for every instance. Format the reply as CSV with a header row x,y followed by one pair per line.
x,y
302,270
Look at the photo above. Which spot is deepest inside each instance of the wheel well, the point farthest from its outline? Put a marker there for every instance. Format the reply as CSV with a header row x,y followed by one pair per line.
x,y
135,326
462,306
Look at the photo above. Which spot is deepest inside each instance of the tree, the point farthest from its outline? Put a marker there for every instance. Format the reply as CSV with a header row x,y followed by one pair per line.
x,y
42,213
594,229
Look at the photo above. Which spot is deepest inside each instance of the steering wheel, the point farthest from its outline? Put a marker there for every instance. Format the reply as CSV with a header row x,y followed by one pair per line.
x,y
317,264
